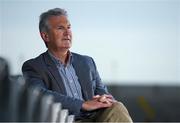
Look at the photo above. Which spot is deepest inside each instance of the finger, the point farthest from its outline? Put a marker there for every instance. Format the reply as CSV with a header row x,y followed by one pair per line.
x,y
96,96
108,96
107,104
111,100
102,99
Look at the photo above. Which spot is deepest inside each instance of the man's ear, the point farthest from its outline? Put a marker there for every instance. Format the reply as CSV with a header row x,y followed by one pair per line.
x,y
44,36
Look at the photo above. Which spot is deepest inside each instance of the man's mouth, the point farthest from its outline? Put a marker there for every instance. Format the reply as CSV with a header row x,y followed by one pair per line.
x,y
66,39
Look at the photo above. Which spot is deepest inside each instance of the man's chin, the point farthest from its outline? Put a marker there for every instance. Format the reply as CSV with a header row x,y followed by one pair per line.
x,y
66,47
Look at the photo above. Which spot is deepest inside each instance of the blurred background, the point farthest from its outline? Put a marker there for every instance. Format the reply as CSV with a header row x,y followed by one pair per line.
x,y
135,44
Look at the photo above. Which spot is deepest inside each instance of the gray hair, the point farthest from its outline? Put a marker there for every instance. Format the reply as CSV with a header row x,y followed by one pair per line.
x,y
43,20
44,17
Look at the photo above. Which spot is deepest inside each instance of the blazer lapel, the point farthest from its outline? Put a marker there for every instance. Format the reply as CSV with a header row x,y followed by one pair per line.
x,y
82,77
54,71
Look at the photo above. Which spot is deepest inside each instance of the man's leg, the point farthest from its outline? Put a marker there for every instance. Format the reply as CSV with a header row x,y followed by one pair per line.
x,y
116,113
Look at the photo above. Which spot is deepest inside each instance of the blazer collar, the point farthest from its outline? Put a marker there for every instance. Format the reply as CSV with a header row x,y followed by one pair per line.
x,y
54,71
81,72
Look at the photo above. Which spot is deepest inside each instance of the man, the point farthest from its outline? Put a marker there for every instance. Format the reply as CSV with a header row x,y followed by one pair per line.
x,y
71,78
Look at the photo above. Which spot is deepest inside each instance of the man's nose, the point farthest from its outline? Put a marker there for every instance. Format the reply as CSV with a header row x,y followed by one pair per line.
x,y
67,32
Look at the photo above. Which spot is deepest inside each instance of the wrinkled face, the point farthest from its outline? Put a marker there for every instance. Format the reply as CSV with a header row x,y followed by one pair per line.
x,y
59,35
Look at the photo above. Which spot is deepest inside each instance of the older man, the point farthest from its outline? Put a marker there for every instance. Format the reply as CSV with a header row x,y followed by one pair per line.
x,y
71,78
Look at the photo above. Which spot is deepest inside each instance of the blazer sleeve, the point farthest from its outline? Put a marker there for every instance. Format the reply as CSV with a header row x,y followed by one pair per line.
x,y
33,77
100,88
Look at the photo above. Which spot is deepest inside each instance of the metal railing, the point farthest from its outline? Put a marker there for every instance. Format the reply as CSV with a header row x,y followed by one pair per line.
x,y
21,103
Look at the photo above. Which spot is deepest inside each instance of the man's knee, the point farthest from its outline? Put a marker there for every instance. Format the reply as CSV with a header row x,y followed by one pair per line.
x,y
116,113
119,106
120,112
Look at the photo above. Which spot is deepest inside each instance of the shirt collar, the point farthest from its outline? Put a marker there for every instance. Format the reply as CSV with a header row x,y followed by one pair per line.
x,y
58,62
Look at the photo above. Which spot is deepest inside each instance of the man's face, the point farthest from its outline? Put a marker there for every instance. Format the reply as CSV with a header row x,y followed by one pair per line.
x,y
59,35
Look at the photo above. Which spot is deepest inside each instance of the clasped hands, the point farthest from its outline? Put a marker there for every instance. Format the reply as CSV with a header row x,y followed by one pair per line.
x,y
103,101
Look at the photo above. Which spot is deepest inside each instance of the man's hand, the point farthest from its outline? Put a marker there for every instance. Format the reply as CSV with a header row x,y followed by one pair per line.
x,y
98,102
94,104
105,98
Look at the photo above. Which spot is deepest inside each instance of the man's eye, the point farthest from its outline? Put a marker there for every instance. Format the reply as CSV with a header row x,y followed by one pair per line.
x,y
60,27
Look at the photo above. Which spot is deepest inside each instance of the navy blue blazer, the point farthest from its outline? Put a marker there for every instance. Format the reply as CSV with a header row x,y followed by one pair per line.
x,y
42,71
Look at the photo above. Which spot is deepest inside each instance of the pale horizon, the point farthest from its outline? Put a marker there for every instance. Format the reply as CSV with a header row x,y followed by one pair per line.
x,y
132,42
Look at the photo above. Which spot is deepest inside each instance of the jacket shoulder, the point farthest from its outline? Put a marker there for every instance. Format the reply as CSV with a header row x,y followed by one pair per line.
x,y
84,60
82,57
34,61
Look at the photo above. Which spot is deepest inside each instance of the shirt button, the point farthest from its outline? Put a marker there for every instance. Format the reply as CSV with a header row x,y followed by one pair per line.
x,y
75,94
71,81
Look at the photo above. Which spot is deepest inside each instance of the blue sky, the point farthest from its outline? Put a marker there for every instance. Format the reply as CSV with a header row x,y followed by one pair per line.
x,y
132,41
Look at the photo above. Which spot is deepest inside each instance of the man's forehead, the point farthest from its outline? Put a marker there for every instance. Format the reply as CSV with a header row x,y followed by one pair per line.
x,y
59,19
